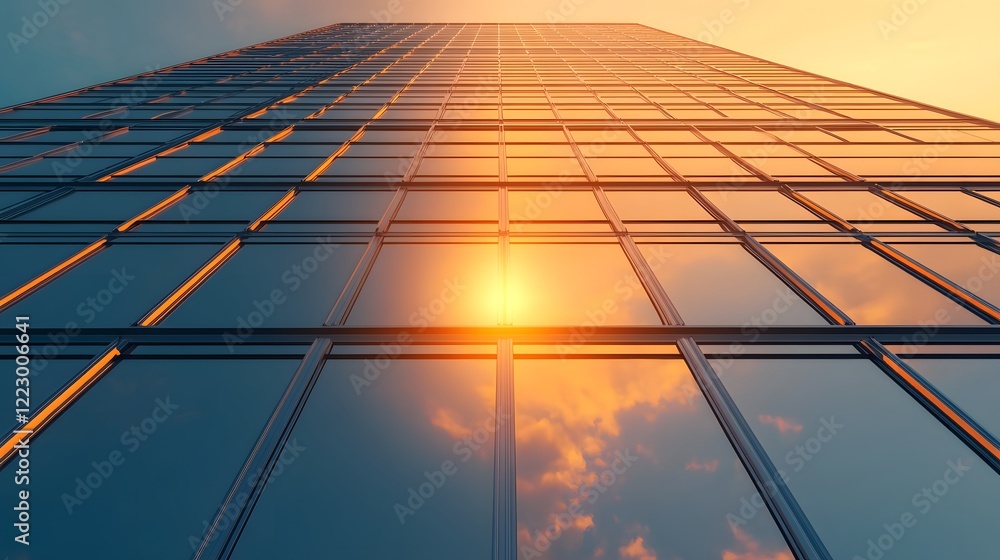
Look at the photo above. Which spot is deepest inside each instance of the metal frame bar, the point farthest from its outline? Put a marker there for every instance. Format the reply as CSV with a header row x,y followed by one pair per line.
x,y
796,528
219,542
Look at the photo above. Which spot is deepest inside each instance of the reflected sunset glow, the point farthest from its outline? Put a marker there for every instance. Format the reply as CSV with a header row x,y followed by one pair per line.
x,y
613,453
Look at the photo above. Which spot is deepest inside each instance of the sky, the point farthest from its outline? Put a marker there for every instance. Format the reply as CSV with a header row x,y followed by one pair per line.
x,y
945,53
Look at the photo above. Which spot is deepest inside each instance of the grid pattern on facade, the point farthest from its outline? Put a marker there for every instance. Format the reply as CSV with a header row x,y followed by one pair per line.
x,y
647,297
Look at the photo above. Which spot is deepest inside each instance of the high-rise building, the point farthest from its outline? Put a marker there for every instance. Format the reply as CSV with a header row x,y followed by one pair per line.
x,y
470,291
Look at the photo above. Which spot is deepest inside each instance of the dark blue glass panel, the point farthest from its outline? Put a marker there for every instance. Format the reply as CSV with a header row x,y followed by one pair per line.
x,y
298,287
875,473
116,286
373,435
973,384
142,460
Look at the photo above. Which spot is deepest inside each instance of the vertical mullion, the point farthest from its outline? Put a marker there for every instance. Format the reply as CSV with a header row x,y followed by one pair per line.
x,y
504,313
504,537
504,543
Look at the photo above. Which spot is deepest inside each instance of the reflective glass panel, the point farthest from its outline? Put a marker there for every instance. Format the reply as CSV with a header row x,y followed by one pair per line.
x,y
955,204
868,211
871,468
722,284
870,289
298,287
96,206
575,284
240,208
970,266
396,462
624,459
553,205
165,437
971,383
114,287
31,260
656,205
450,205
445,284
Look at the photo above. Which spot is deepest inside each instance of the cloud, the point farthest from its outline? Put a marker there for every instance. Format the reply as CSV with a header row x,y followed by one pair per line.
x,y
784,425
445,420
707,466
752,549
569,429
637,550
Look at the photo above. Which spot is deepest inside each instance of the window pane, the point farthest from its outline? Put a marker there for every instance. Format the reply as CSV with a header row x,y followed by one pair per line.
x,y
722,284
32,259
47,377
971,383
115,287
695,168
625,456
442,211
544,166
297,288
328,206
55,169
970,266
446,284
792,167
758,205
609,168
560,150
239,208
167,437
459,166
955,204
420,426
656,205
749,208
180,166
870,289
384,168
450,205
265,166
113,206
10,198
862,457
554,205
563,284
866,211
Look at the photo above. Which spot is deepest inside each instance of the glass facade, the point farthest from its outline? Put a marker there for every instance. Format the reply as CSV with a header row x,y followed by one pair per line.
x,y
498,291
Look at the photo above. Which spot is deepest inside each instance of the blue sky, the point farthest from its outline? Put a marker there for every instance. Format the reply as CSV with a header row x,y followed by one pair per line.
x,y
91,41
942,53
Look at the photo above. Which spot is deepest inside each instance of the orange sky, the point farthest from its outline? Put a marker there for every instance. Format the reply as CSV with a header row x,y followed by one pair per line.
x,y
945,53
942,53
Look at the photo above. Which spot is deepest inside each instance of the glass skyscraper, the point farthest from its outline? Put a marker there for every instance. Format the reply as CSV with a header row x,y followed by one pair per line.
x,y
481,291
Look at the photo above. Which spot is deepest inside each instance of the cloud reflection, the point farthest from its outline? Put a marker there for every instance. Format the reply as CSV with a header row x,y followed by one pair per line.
x,y
624,459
